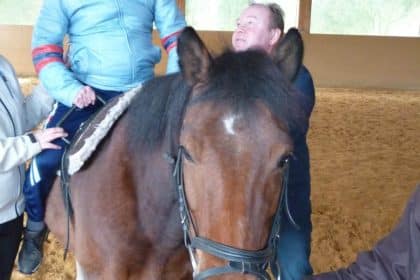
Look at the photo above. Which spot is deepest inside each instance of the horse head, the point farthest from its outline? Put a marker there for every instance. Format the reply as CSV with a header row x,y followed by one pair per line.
x,y
233,119
236,137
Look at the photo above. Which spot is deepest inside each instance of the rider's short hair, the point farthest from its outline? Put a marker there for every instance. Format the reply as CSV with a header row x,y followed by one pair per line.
x,y
277,14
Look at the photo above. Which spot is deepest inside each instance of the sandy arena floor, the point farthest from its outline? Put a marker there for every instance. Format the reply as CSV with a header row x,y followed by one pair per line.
x,y
365,158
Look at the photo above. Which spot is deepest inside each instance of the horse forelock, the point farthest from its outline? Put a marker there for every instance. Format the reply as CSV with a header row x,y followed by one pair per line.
x,y
241,80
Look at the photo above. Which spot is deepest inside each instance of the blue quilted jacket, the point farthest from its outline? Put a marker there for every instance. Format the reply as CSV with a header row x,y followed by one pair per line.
x,y
110,43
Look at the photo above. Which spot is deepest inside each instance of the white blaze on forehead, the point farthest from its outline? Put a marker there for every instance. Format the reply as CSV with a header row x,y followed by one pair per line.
x,y
229,123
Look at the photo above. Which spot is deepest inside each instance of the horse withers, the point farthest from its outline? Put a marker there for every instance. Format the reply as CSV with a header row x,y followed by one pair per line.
x,y
198,159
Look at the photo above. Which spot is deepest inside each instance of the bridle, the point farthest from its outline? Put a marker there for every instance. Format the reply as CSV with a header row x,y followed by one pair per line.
x,y
238,260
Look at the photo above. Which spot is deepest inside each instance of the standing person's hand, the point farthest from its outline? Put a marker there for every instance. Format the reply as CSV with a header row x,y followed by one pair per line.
x,y
46,136
85,97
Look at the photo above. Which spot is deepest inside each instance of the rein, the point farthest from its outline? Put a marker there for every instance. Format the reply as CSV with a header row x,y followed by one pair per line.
x,y
254,262
64,174
66,193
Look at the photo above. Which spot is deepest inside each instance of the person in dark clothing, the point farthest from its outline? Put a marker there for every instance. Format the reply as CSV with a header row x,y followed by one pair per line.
x,y
261,26
396,256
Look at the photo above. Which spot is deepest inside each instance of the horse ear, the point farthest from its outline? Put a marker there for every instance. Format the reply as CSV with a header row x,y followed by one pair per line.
x,y
289,53
194,58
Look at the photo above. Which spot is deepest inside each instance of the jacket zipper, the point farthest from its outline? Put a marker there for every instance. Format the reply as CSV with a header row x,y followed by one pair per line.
x,y
124,29
15,134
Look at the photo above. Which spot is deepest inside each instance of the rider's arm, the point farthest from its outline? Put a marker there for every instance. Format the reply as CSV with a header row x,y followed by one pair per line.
x,y
169,21
47,52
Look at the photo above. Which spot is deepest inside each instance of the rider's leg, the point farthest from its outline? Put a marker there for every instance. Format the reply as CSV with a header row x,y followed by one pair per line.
x,y
38,182
41,176
295,243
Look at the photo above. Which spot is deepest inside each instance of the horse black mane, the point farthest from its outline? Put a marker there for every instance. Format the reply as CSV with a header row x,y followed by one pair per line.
x,y
160,104
238,80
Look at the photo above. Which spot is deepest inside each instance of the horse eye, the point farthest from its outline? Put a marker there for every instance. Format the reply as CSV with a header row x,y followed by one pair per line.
x,y
283,161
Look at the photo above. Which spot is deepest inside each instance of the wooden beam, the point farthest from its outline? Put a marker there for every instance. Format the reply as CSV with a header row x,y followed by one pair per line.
x,y
305,7
181,5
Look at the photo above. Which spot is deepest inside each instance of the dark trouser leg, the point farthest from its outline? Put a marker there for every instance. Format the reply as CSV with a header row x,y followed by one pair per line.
x,y
10,236
38,183
293,252
43,169
294,246
40,179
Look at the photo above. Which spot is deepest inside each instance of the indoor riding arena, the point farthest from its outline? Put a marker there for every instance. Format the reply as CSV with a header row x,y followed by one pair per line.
x,y
363,138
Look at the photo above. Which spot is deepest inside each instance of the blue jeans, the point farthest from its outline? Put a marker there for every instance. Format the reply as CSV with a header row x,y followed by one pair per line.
x,y
42,172
294,246
293,252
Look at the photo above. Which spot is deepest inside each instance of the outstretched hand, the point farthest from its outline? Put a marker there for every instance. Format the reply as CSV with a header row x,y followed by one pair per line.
x,y
85,97
46,136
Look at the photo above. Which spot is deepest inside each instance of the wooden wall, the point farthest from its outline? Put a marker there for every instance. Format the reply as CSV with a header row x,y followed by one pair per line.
x,y
335,61
353,61
15,45
365,62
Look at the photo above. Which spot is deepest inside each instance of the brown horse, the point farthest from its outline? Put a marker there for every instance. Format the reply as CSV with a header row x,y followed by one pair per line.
x,y
224,128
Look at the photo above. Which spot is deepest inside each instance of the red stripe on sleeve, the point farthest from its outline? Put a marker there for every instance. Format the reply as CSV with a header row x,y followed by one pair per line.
x,y
171,46
46,49
164,39
44,62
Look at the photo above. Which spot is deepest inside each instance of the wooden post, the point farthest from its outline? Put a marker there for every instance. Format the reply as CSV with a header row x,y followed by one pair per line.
x,y
305,7
181,5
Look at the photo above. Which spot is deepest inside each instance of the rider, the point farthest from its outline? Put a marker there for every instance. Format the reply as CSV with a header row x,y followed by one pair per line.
x,y
110,52
262,26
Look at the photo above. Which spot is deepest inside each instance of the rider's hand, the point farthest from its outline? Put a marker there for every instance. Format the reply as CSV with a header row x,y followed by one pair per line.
x,y
46,136
85,97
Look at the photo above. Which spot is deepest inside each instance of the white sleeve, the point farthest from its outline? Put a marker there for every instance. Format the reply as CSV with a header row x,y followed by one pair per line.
x,y
14,151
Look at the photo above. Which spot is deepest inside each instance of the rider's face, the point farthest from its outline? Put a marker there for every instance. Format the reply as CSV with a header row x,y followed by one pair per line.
x,y
253,30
